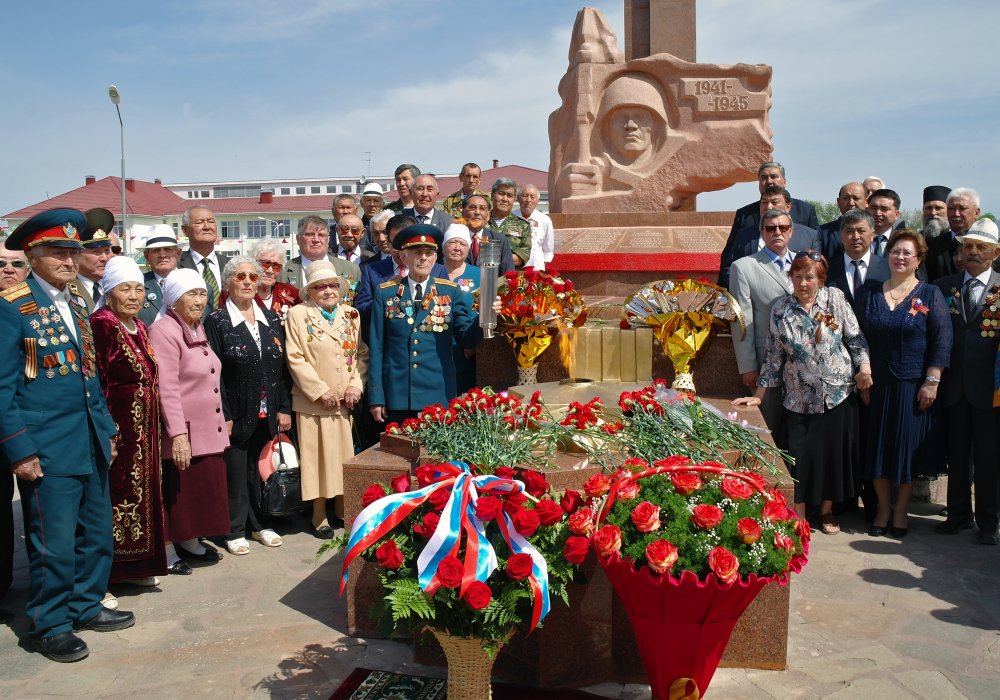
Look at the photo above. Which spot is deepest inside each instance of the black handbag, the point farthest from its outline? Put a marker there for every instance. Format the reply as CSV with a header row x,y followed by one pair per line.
x,y
281,491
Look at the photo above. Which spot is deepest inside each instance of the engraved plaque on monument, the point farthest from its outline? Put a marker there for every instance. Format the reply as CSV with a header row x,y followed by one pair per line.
x,y
649,134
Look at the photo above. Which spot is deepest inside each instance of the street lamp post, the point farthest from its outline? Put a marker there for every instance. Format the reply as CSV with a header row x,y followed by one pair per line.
x,y
116,97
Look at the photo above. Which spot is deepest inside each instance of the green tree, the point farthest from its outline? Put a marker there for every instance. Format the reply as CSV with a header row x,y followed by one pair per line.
x,y
825,211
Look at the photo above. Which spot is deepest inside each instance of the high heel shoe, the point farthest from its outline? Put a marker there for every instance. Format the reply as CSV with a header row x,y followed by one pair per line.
x,y
876,531
898,532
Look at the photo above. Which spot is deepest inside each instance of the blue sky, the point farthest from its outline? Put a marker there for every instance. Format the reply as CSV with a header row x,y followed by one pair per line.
x,y
255,89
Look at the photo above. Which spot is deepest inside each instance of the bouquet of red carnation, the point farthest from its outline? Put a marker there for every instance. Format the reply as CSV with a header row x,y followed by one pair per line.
x,y
687,548
473,555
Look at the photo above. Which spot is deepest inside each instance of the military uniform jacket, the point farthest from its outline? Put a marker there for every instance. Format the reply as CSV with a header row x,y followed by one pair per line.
x,y
51,402
455,202
518,232
974,343
410,351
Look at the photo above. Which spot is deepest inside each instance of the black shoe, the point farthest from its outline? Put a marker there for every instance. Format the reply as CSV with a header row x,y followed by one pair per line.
x,y
876,531
898,531
953,527
323,532
986,537
943,512
210,554
64,648
108,621
180,568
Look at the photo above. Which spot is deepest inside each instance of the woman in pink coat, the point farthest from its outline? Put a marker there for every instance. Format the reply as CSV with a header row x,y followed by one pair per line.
x,y
194,431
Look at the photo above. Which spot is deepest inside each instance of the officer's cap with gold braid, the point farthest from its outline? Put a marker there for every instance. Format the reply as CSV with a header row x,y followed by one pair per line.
x,y
53,227
418,235
100,223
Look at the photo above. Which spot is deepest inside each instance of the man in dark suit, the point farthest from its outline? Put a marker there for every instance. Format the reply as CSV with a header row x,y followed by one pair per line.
x,y
198,224
757,282
378,237
854,263
771,173
883,205
962,205
476,214
350,231
850,196
424,191
57,436
162,254
967,389
313,239
748,240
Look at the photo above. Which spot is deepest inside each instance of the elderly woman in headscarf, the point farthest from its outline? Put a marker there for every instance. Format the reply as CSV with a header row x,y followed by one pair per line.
x,y
329,365
455,249
194,429
128,374
255,398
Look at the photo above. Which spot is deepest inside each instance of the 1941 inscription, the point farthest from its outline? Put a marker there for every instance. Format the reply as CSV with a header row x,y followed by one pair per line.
x,y
715,96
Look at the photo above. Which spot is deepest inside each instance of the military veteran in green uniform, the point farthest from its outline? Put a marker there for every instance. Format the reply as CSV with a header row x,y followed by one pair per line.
x,y
414,321
504,220
57,436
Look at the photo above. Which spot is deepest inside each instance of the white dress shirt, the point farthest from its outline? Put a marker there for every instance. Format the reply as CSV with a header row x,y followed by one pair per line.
x,y
849,267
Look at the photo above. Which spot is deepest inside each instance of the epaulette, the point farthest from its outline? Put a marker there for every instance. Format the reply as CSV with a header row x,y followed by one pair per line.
x,y
390,282
75,291
445,282
18,291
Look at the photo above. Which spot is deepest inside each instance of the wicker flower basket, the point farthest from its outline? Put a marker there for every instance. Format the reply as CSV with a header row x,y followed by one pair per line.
x,y
470,668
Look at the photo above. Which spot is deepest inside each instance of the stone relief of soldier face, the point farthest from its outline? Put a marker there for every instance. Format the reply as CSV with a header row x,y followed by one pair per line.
x,y
632,121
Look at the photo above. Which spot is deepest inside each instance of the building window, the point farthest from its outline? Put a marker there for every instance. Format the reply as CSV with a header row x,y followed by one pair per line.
x,y
300,190
331,189
314,190
332,225
281,228
256,228
241,191
230,229
286,190
205,194
347,188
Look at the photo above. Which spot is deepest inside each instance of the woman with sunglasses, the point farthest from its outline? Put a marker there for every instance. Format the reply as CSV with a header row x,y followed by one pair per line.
x,y
329,365
255,400
277,296
816,353
908,326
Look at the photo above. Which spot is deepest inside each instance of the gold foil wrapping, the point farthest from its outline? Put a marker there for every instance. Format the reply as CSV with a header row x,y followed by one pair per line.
x,y
611,354
529,342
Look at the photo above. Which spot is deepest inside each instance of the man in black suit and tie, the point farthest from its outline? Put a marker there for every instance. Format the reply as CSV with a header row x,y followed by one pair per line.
x,y
854,263
962,210
850,196
350,230
748,240
967,386
883,205
425,194
198,224
771,173
476,213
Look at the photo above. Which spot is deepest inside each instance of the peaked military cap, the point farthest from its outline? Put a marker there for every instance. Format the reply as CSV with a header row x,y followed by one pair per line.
x,y
54,227
100,223
418,235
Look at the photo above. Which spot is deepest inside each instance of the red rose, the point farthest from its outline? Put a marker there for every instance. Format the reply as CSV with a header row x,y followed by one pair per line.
x,y
607,540
802,529
597,485
685,483
736,489
673,460
629,490
428,525
549,512
783,542
535,483
450,572
748,530
776,512
439,499
706,516
724,564
576,549
571,501
519,566
513,502
661,555
488,508
526,522
478,595
646,517
401,483
388,555
581,522
634,464
425,475
372,494
504,472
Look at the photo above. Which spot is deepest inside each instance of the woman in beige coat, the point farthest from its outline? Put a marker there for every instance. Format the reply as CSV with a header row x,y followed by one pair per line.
x,y
328,362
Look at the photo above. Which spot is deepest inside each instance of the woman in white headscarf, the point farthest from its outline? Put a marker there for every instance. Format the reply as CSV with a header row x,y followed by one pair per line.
x,y
194,431
128,374
455,249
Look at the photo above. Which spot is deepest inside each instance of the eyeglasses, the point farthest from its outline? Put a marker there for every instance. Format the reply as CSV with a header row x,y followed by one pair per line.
x,y
784,228
351,229
901,254
116,249
243,275
267,265
811,254
323,287
16,264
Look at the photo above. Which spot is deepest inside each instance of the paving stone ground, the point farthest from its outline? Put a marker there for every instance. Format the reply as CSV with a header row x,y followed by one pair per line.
x,y
870,618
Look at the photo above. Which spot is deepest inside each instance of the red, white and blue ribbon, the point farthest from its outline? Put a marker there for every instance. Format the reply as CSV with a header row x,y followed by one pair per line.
x,y
458,525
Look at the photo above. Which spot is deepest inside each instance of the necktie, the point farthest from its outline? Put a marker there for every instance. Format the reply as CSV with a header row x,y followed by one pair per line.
x,y
858,282
879,247
780,262
422,218
211,283
970,297
97,292
418,293
475,249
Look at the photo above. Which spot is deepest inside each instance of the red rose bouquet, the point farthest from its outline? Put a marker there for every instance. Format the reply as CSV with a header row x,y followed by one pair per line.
x,y
475,556
687,548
